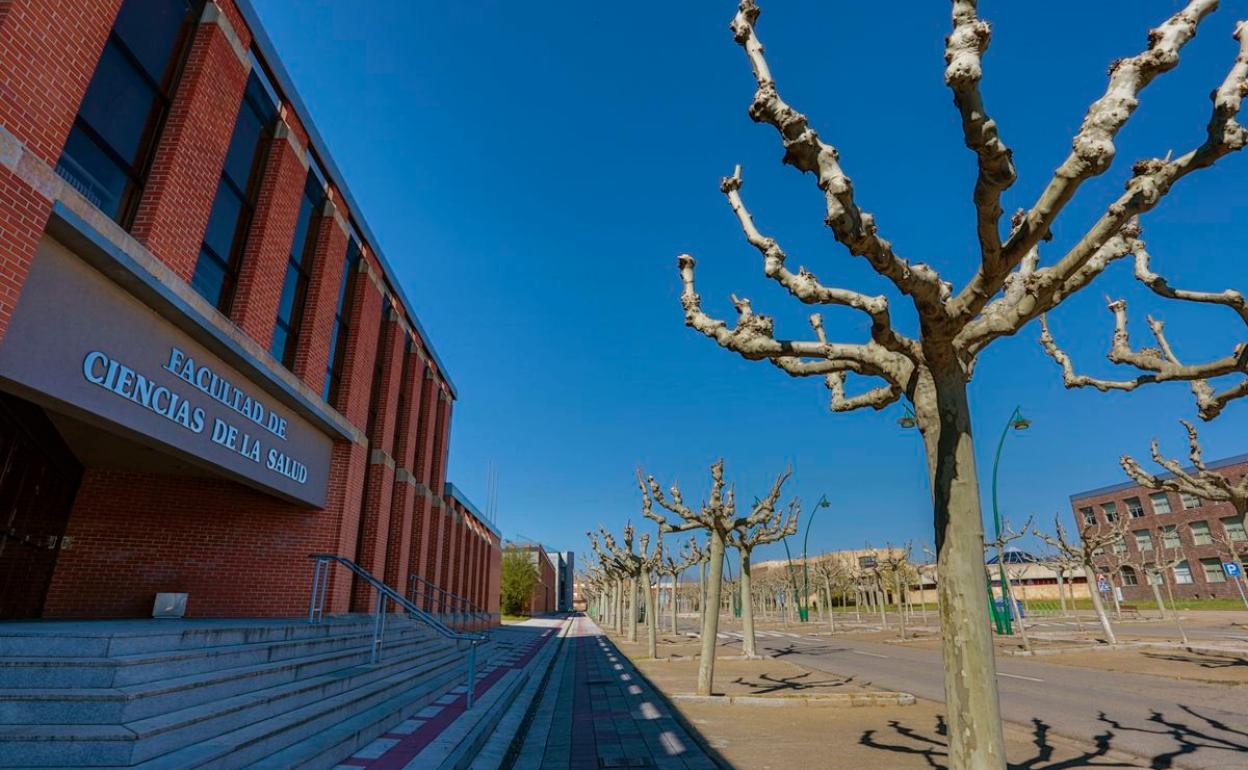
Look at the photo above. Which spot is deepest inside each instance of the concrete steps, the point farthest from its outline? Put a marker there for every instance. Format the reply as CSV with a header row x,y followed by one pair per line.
x,y
248,692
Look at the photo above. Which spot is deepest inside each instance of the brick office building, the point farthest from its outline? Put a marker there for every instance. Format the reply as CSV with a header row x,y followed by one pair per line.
x,y
1167,520
208,370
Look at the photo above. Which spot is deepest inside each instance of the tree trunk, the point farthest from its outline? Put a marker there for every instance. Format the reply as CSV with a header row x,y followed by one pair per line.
x,y
748,648
632,610
1061,590
1174,608
901,605
1161,604
976,737
710,620
701,594
652,619
881,598
675,582
1098,605
1113,594
827,584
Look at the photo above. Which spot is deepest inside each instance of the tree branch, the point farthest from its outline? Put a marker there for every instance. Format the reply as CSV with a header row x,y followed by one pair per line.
x,y
1092,153
805,286
964,50
851,226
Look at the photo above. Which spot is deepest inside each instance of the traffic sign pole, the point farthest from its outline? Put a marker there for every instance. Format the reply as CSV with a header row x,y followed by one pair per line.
x,y
1235,570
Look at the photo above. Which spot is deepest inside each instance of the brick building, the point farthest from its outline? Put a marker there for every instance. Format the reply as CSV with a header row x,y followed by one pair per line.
x,y
208,369
1167,520
545,597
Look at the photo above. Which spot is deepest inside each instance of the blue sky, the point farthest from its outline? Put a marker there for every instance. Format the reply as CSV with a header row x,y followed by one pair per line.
x,y
532,170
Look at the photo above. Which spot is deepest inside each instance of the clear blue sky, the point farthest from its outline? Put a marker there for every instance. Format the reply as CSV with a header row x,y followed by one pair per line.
x,y
532,170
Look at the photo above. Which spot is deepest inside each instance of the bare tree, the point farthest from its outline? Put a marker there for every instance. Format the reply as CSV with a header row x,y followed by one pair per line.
x,y
615,575
831,571
1091,540
896,563
1158,567
628,563
718,516
1008,290
1204,483
745,539
676,563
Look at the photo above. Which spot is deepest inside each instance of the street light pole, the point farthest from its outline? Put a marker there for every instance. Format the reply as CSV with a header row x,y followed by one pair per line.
x,y
1017,422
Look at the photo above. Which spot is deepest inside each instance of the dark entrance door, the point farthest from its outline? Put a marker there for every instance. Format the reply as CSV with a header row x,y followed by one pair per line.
x,y
39,477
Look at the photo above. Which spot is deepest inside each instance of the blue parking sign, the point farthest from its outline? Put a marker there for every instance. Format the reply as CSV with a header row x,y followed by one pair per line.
x,y
1230,568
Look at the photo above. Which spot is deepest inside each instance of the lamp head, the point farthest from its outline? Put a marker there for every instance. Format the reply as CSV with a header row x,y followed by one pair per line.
x,y
1020,423
907,422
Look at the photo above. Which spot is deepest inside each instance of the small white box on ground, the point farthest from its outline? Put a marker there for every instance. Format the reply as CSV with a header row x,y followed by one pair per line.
x,y
169,606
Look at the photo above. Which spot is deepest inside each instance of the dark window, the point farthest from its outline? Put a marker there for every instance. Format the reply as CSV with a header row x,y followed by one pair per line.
x,y
298,269
216,272
342,330
110,143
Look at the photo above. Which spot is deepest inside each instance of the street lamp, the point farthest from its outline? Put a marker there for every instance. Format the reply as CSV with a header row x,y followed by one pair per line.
x,y
1019,423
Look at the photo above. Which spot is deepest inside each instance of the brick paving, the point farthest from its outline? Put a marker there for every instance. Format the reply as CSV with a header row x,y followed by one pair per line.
x,y
599,712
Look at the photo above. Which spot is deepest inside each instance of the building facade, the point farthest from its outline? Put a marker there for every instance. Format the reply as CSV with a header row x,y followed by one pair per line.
x,y
208,369
1166,520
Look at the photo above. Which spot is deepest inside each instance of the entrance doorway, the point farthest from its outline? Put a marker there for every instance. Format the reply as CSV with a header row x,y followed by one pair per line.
x,y
39,477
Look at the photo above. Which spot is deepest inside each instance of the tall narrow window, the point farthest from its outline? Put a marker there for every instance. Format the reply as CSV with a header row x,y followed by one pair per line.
x,y
1135,508
298,270
1200,533
216,272
1089,518
1111,512
342,328
110,144
1161,503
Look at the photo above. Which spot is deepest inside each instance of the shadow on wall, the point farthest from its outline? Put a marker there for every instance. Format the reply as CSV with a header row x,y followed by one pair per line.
x,y
1226,749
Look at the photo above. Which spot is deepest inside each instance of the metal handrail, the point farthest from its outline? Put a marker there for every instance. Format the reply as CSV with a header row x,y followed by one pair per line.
x,y
316,611
433,592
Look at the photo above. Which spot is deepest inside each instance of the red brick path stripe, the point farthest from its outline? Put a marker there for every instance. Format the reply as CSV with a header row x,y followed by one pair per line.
x,y
403,752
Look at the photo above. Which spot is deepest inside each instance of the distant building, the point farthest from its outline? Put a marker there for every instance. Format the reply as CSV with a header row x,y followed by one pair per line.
x,y
1166,520
545,591
564,563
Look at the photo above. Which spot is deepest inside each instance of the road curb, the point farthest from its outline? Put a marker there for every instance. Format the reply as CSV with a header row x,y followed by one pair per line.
x,y
836,700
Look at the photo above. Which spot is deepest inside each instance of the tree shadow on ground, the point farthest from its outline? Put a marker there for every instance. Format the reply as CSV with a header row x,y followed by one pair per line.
x,y
933,748
794,683
1204,660
1187,738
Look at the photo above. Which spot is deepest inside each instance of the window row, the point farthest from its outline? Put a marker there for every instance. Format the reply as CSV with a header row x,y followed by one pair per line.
x,y
110,148
1200,532
1181,574
1159,501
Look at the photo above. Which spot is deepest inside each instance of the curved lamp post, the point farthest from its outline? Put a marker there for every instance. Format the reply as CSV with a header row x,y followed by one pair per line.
x,y
1017,422
1001,619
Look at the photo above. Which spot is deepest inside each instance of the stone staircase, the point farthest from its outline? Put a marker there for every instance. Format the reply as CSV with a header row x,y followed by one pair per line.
x,y
213,694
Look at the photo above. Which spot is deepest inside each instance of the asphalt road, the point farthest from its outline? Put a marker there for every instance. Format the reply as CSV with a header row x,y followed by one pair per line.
x,y
1171,723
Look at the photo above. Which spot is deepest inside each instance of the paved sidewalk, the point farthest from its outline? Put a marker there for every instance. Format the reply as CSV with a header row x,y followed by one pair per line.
x,y
598,712
411,744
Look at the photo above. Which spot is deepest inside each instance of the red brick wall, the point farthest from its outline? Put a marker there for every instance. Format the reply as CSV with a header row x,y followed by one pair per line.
x,y
186,168
262,272
1182,519
43,78
236,551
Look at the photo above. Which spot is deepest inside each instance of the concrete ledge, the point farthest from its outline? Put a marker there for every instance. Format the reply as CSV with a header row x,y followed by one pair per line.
x,y
838,700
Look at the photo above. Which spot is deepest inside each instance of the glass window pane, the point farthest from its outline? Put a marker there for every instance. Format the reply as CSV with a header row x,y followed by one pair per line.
x,y
223,221
209,278
1183,573
150,28
1135,507
280,337
1161,503
242,153
1234,527
93,173
1213,570
286,305
1200,533
1189,501
118,103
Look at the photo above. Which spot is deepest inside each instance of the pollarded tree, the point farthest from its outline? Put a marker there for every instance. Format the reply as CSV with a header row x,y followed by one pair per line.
x,y
1086,549
632,565
895,564
676,563
745,539
718,516
1206,484
1009,289
831,572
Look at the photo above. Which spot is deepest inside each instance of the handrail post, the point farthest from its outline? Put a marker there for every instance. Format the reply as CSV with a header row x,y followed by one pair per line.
x,y
379,621
316,579
472,671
